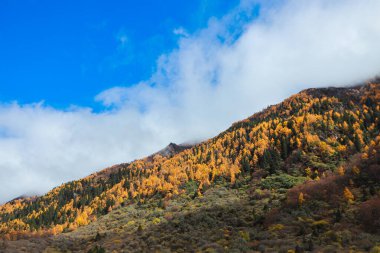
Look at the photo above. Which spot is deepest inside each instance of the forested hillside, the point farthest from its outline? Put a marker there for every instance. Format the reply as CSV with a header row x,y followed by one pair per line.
x,y
303,173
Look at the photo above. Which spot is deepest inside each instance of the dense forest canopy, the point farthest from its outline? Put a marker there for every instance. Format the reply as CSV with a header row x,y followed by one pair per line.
x,y
316,139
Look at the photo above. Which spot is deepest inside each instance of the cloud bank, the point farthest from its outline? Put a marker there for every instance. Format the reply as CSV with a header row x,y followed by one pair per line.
x,y
225,72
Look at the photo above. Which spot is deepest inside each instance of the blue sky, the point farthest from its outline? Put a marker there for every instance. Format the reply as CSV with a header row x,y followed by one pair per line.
x,y
66,52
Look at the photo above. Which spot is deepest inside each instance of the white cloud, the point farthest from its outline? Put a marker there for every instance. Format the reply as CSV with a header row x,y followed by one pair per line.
x,y
123,40
213,79
181,32
42,147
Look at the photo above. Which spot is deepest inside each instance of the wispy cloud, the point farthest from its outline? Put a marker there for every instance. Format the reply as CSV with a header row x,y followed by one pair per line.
x,y
122,38
220,74
181,32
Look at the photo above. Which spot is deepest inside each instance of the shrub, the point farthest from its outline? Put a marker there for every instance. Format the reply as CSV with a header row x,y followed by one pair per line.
x,y
319,226
328,189
260,194
156,221
375,249
369,214
276,227
244,235
281,181
97,249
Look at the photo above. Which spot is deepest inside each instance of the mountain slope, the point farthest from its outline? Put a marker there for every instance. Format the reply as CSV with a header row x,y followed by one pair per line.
x,y
272,171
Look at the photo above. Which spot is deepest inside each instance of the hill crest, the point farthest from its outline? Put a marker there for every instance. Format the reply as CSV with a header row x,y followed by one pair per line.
x,y
309,136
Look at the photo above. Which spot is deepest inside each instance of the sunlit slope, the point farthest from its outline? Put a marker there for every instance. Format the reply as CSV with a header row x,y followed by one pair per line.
x,y
308,136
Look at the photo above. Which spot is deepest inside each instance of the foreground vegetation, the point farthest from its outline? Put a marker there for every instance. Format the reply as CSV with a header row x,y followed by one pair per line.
x,y
302,175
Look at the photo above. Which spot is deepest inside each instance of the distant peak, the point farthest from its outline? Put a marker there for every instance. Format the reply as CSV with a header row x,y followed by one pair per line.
x,y
172,149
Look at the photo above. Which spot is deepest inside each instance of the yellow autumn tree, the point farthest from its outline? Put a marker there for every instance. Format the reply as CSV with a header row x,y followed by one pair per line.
x,y
341,171
355,170
301,199
234,169
348,195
